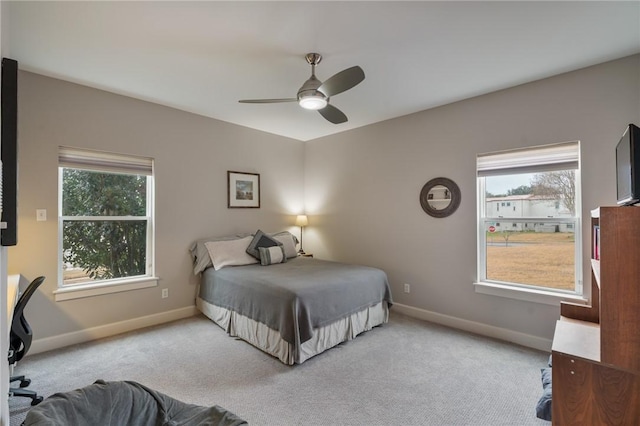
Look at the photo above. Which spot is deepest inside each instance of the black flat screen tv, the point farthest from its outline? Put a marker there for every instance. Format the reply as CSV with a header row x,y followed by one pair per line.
x,y
628,167
9,151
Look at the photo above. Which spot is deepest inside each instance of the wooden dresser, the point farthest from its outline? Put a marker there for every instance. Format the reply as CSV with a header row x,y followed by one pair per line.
x,y
596,348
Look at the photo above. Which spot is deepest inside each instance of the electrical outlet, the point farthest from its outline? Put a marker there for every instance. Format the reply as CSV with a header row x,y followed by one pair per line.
x,y
165,293
407,288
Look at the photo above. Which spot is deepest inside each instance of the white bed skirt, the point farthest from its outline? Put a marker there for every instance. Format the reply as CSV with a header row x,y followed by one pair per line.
x,y
270,341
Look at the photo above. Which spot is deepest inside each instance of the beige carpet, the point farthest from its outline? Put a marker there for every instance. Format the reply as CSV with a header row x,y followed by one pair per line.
x,y
406,372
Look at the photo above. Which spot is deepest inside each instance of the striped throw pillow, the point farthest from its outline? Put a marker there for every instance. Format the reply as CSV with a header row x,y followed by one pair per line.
x,y
271,255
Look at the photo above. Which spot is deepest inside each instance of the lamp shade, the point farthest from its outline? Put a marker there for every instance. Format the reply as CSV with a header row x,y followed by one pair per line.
x,y
301,220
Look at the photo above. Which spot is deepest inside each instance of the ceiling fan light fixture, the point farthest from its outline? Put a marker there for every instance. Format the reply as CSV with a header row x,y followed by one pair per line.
x,y
314,94
313,102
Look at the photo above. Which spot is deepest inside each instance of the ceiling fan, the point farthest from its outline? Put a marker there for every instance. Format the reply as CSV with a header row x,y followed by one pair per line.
x,y
314,94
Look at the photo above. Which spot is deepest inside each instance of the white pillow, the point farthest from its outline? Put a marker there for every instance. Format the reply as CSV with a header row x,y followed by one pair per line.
x,y
230,253
286,238
200,254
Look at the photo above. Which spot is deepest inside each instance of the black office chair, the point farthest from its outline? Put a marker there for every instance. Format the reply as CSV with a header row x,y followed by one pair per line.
x,y
20,342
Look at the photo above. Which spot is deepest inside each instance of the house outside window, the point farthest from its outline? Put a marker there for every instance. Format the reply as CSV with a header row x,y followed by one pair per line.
x,y
105,219
534,248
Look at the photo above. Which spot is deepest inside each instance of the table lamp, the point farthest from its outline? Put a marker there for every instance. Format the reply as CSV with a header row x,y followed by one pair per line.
x,y
301,221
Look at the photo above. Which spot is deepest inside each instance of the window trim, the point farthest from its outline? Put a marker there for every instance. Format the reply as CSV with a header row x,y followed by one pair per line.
x,y
98,161
536,295
79,291
507,166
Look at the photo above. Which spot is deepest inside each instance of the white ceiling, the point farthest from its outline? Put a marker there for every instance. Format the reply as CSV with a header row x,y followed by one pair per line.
x,y
203,57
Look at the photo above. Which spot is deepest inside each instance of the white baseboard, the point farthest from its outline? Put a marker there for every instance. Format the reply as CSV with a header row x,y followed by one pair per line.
x,y
81,336
86,335
523,339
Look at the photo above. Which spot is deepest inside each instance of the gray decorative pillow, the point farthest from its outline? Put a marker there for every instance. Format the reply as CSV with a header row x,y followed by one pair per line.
x,y
289,241
271,255
260,239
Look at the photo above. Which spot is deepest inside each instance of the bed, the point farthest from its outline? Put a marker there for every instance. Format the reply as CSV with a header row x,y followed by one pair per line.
x,y
293,308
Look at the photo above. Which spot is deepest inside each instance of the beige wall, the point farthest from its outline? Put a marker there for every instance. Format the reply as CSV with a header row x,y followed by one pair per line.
x,y
192,155
362,186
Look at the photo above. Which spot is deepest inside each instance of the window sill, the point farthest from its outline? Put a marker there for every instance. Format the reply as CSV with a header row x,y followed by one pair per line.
x,y
97,289
527,294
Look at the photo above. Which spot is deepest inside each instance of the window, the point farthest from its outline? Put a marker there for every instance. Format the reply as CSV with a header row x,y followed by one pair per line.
x,y
105,218
536,248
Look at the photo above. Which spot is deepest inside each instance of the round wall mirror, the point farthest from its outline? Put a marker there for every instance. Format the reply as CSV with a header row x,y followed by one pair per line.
x,y
440,197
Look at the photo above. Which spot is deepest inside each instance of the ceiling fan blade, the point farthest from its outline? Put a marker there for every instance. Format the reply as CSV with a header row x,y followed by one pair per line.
x,y
267,101
333,114
344,80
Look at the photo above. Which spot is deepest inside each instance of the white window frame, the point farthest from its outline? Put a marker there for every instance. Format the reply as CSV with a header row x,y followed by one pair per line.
x,y
528,160
75,158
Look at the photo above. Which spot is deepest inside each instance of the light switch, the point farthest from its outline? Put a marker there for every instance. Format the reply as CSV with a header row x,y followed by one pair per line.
x,y
41,215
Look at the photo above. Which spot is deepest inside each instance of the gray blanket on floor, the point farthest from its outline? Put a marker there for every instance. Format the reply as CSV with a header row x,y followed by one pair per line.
x,y
124,403
297,296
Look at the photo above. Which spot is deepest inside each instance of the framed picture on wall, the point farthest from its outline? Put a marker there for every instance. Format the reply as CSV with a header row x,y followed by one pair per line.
x,y
244,190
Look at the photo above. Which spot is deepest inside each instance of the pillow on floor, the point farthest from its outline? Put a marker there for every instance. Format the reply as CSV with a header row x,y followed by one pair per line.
x,y
124,403
543,407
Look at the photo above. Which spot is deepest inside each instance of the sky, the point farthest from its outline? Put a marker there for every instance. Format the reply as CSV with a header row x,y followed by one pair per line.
x,y
499,185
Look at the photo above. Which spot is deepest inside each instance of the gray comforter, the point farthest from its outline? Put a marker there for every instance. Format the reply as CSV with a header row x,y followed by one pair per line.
x,y
297,296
